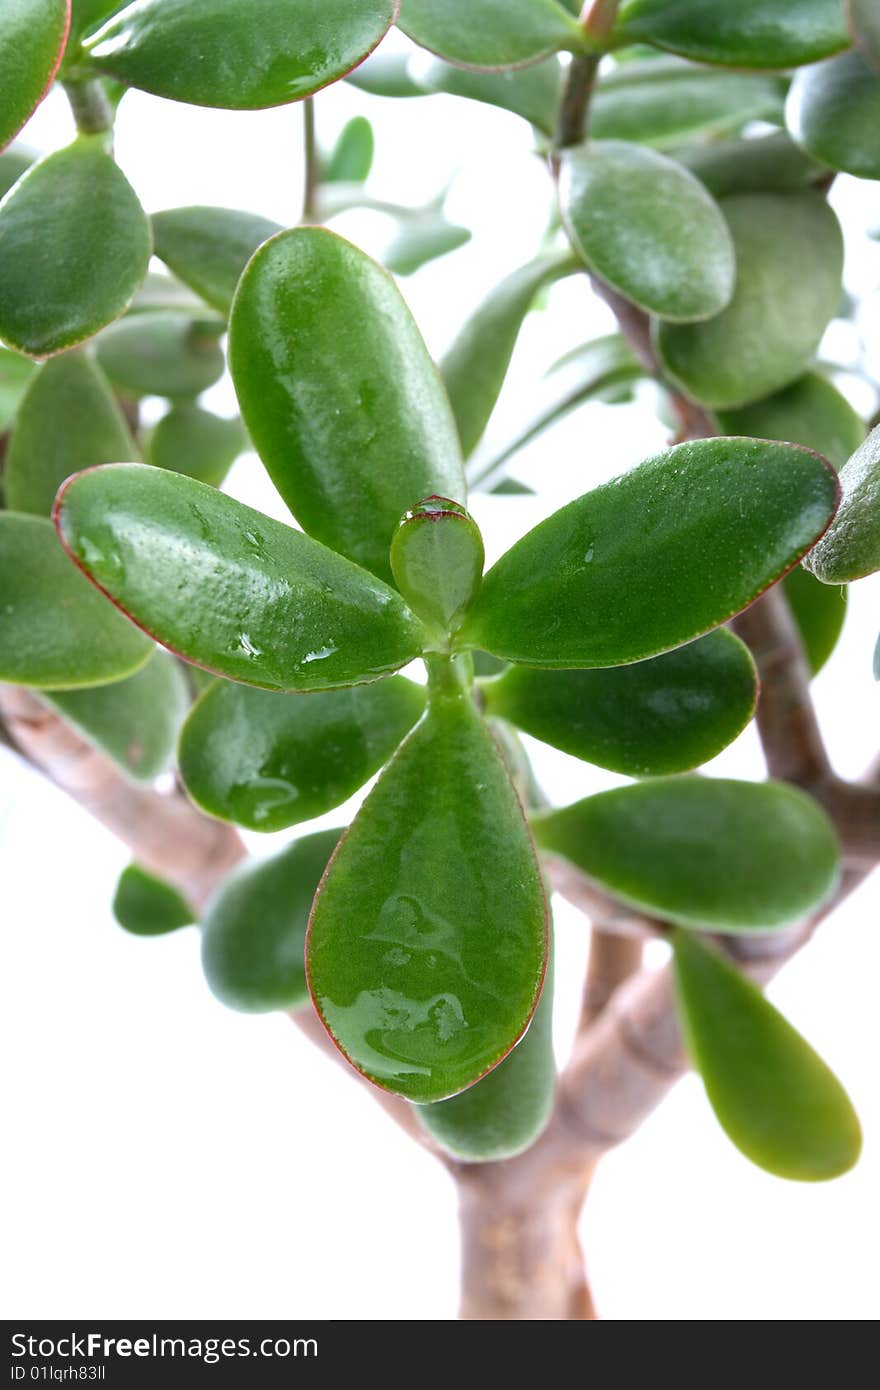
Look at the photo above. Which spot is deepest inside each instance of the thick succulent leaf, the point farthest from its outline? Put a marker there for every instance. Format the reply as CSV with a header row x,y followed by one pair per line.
x,y
208,248
154,353
223,53
32,38
74,246
350,438
267,761
490,33
15,375
87,14
254,932
421,238
503,1114
351,158
819,610
760,164
55,630
811,411
623,572
531,92
161,291
667,714
781,306
193,441
148,906
749,34
676,258
833,110
851,548
229,589
13,163
707,853
134,721
428,938
68,420
865,22
774,1097
386,75
437,557
475,366
663,102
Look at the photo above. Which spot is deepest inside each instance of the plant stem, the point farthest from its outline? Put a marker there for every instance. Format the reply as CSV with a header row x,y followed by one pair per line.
x,y
312,163
571,127
92,111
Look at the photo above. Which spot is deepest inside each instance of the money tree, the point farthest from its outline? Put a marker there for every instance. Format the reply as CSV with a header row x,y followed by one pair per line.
x,y
149,621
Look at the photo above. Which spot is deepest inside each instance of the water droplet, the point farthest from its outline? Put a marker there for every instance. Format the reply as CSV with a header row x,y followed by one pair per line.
x,y
320,655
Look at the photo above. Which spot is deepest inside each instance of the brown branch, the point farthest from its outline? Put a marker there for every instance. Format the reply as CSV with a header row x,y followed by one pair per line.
x,y
611,962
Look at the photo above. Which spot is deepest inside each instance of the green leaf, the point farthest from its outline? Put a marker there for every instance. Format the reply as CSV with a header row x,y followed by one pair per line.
x,y
55,630
531,92
773,1096
663,102
32,38
386,75
676,258
811,411
14,163
350,438
15,374
622,573
74,246
160,291
664,715
223,53
437,559
503,1115
423,237
156,353
253,935
351,158
208,248
191,440
68,420
749,34
760,164
711,854
134,721
865,24
229,589
833,110
490,33
475,366
781,306
428,939
148,906
819,610
850,549
267,761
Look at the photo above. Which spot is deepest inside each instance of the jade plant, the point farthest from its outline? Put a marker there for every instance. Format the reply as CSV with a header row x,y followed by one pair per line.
x,y
150,621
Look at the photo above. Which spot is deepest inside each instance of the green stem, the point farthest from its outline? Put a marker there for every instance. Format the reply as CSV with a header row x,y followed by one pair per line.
x,y
312,163
92,111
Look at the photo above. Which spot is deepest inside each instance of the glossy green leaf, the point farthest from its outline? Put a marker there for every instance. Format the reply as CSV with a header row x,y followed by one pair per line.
x,y
148,906
850,549
865,22
475,366
15,375
437,558
55,630
208,248
774,1097
833,110
748,34
176,354
421,238
490,33
267,761
503,1114
68,420
532,92
624,572
781,306
14,163
668,714
74,246
428,939
254,932
819,611
228,588
663,102
223,53
760,164
32,38
87,14
161,291
134,721
351,439
811,411
351,158
676,258
711,854
193,441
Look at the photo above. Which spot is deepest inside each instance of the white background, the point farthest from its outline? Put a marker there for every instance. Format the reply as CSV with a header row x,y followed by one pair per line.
x,y
167,1158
